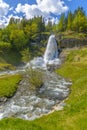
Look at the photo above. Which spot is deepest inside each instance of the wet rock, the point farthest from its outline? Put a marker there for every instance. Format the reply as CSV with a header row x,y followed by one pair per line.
x,y
3,100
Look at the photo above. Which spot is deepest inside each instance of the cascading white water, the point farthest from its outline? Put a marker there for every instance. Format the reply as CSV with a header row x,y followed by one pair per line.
x,y
51,52
50,56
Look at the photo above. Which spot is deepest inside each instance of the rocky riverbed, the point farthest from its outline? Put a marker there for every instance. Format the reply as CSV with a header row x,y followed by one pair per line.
x,y
30,104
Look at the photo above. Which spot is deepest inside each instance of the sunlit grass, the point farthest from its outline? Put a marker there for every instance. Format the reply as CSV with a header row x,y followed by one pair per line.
x,y
8,85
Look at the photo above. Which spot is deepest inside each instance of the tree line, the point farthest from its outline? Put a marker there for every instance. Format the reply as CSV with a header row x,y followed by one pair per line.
x,y
76,21
21,33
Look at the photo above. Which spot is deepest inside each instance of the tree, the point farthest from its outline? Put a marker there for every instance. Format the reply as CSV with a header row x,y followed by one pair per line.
x,y
69,21
4,35
81,10
26,55
80,20
62,23
18,39
49,26
5,46
40,23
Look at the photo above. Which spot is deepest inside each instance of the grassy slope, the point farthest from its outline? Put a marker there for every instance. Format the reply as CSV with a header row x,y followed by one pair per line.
x,y
71,34
8,85
9,59
74,115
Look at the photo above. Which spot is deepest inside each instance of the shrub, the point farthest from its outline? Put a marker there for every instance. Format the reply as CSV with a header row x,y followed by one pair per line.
x,y
26,55
35,78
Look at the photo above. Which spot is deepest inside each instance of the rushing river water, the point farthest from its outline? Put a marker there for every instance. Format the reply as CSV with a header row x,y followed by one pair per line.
x,y
30,104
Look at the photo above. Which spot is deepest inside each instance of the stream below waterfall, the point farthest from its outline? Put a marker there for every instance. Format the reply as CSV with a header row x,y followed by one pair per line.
x,y
30,104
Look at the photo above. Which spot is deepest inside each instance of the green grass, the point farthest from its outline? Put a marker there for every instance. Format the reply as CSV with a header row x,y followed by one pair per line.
x,y
74,114
5,66
8,85
72,34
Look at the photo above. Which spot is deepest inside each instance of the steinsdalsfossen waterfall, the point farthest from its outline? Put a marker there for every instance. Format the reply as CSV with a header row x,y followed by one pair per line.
x,y
50,56
51,52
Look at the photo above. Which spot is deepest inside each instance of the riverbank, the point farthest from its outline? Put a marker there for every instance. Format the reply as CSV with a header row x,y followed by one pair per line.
x,y
8,86
73,116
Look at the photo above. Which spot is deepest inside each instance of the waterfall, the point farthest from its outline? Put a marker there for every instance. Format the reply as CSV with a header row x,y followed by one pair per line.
x,y
51,52
50,56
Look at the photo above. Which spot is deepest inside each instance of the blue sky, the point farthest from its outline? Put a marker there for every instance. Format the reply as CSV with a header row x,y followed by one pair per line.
x,y
31,8
73,4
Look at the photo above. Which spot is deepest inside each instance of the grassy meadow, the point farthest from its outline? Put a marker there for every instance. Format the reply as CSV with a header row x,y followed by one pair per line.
x,y
74,114
9,85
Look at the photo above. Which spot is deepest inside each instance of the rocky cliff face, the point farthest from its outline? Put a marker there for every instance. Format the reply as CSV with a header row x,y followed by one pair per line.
x,y
71,42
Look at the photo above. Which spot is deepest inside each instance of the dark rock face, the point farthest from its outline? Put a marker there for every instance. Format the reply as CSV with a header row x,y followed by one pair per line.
x,y
72,42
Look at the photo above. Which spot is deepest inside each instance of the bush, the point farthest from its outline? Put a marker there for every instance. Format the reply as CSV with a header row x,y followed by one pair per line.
x,y
26,55
35,78
5,46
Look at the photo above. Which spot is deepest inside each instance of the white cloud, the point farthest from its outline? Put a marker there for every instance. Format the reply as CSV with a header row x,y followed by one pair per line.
x,y
30,10
19,8
11,9
4,17
4,7
42,8
53,6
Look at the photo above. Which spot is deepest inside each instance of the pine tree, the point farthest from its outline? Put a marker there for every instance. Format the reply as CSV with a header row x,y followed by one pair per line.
x,y
62,23
80,20
69,21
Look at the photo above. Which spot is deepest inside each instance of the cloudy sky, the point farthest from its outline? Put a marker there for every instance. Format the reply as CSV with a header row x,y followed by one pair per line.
x,y
31,8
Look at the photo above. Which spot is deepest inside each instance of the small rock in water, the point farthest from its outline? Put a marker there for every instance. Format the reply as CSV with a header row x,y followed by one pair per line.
x,y
3,99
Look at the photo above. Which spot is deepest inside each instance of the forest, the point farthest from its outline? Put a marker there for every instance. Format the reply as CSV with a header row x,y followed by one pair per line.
x,y
76,21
